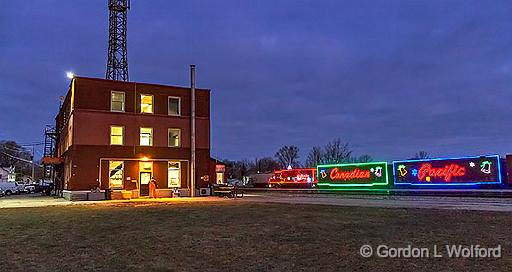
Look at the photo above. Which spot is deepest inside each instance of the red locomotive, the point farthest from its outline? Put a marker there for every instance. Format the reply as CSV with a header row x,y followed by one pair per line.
x,y
294,178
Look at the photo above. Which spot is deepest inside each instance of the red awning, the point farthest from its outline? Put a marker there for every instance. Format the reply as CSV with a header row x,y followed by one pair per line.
x,y
52,160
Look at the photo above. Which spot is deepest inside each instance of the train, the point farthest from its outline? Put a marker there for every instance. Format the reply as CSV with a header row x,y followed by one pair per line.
x,y
487,171
298,177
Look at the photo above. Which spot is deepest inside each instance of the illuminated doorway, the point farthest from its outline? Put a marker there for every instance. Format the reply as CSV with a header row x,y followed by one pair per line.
x,y
145,174
220,178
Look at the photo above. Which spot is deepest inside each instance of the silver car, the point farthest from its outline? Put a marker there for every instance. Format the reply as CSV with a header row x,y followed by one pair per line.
x,y
28,188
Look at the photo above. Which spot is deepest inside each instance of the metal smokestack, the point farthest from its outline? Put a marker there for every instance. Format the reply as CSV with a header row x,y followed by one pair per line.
x,y
193,130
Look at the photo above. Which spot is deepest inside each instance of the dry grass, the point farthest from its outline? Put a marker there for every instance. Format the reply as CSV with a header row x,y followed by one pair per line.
x,y
239,237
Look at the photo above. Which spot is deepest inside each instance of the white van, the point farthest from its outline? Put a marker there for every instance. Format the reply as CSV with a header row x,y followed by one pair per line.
x,y
9,188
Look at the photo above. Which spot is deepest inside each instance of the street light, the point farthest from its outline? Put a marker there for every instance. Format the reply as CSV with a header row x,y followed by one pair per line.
x,y
70,75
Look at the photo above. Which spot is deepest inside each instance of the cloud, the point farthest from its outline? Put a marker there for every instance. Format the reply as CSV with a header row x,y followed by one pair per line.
x,y
388,77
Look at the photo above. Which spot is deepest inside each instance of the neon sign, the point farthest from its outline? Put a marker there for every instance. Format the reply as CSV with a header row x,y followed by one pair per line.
x,y
447,172
337,174
450,171
352,174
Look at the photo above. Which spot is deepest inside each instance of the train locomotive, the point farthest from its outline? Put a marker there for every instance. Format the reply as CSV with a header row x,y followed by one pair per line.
x,y
293,178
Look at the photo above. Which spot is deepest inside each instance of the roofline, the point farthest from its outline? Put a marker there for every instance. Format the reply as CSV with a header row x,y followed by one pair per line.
x,y
142,83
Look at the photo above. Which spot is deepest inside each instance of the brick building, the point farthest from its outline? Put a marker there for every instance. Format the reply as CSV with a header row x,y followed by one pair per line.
x,y
118,135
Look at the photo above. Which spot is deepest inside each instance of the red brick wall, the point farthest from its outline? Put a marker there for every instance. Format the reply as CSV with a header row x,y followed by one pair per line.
x,y
91,132
94,94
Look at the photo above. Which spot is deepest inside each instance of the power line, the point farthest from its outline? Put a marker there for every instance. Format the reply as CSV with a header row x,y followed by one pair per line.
x,y
18,158
14,150
32,144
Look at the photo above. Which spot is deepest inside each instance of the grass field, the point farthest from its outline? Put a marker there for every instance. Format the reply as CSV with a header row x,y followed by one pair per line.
x,y
235,236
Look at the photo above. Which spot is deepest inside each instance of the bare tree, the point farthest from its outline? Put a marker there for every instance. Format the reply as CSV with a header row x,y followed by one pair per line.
x,y
238,169
12,154
265,165
315,157
363,158
288,156
421,155
336,152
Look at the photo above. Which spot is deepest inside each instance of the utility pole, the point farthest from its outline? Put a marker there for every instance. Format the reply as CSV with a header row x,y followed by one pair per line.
x,y
193,130
117,63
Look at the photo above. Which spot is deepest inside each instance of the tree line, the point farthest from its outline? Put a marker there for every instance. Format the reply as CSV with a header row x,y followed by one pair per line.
x,y
333,152
15,155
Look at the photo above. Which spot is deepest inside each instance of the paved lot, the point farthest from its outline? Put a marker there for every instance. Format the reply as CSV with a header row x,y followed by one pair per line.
x,y
421,202
36,200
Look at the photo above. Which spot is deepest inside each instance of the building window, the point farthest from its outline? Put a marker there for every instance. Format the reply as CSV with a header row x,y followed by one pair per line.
x,y
146,103
116,101
174,105
116,135
220,177
173,175
174,137
116,174
146,136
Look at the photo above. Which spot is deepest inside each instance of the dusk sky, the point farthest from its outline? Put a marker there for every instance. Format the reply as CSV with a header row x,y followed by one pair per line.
x,y
388,77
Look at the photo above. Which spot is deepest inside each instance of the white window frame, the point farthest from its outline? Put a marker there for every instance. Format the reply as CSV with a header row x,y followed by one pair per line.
x,y
150,139
152,103
179,174
169,138
124,101
179,106
122,134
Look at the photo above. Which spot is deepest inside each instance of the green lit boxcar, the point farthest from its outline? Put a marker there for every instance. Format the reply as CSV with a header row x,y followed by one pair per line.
x,y
354,176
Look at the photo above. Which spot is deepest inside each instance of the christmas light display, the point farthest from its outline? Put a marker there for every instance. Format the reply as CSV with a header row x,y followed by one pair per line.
x,y
352,175
448,171
294,177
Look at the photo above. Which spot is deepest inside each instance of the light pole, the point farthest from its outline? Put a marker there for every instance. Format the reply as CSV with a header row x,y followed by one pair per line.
x,y
193,130
33,166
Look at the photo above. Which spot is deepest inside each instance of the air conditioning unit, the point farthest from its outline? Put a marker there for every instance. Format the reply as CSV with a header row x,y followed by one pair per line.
x,y
204,191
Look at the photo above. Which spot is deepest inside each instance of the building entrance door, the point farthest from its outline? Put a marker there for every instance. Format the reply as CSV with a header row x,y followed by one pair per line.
x,y
220,178
145,178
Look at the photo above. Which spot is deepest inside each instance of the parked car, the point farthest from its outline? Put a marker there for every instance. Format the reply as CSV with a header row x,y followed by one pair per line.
x,y
9,188
234,182
45,189
29,188
2,193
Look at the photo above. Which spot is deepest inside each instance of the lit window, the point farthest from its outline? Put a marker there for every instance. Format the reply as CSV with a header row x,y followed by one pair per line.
x,y
116,135
174,137
174,106
116,174
146,103
173,175
117,101
146,136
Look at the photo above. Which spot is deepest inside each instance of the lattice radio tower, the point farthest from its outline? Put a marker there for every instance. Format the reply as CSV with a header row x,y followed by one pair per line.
x,y
117,63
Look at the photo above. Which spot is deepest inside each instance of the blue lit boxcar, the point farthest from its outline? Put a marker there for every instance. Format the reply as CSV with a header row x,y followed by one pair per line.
x,y
450,173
